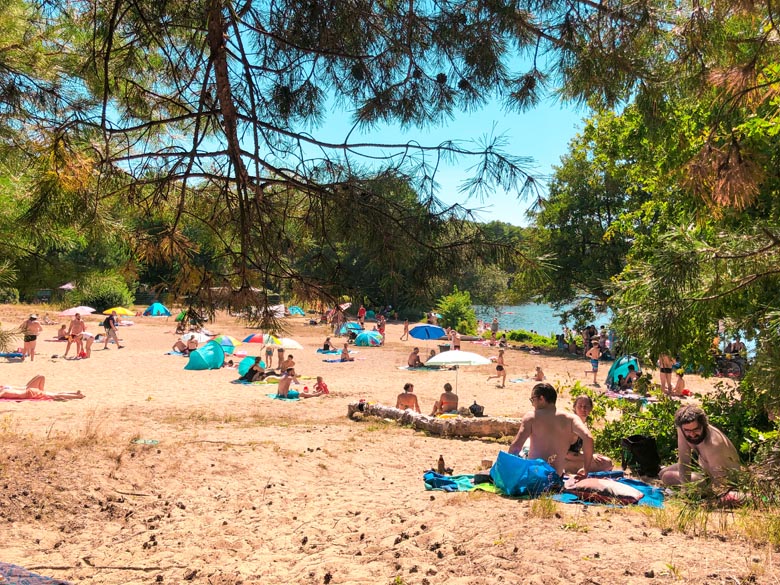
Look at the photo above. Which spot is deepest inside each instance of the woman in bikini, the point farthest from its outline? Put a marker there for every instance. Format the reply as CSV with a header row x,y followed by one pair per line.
x,y
575,460
34,389
447,402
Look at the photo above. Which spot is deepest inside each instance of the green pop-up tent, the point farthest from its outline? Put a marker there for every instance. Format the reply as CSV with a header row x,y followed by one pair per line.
x,y
209,357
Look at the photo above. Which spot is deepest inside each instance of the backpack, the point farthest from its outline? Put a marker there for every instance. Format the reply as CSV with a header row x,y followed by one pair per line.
x,y
640,453
107,323
477,410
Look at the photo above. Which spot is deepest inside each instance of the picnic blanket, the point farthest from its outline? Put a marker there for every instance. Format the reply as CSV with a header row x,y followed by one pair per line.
x,y
652,496
13,574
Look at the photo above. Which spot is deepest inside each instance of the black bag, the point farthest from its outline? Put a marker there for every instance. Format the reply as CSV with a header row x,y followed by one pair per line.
x,y
477,410
640,453
107,322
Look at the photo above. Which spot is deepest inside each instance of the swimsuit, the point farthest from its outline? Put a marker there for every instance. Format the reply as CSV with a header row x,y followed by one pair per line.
x,y
30,337
576,446
666,370
594,364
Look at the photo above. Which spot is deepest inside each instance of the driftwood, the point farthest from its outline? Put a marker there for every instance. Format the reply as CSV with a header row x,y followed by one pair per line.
x,y
447,427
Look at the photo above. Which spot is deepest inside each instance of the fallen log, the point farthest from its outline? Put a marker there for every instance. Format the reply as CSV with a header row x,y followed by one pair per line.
x,y
461,426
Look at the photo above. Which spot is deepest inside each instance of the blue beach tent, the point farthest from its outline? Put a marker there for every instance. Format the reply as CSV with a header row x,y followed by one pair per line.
x,y
296,310
209,357
157,310
246,363
620,368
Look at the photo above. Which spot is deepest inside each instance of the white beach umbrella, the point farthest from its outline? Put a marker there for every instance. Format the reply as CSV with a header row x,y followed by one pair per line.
x,y
457,358
288,343
199,337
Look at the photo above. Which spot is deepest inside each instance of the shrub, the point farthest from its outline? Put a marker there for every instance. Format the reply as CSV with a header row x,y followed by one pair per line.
x,y
9,295
456,311
101,292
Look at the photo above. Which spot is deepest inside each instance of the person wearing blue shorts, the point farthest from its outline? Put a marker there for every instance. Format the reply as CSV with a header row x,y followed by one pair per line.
x,y
594,353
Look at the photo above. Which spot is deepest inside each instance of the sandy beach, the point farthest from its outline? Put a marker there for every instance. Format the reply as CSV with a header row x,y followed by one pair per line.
x,y
168,475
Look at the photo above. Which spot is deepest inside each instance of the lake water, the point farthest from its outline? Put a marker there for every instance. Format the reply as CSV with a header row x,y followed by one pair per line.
x,y
537,316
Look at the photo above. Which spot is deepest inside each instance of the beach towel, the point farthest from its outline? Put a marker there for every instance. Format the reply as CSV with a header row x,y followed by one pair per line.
x,y
518,380
288,399
12,354
330,351
19,575
36,398
455,483
174,353
334,362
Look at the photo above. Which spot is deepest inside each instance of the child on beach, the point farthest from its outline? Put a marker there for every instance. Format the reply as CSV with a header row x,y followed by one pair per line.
x,y
539,375
594,353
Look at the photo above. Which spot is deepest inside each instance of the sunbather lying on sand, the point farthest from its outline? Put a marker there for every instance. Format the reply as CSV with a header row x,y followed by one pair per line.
x,y
34,389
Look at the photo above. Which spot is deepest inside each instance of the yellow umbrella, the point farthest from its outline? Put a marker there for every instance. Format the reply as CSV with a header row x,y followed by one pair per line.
x,y
119,311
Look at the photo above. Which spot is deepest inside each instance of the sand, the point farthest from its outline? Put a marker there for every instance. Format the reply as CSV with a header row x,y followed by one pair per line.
x,y
228,486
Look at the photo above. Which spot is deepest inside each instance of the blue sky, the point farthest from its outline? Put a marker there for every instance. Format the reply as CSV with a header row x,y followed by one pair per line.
x,y
542,133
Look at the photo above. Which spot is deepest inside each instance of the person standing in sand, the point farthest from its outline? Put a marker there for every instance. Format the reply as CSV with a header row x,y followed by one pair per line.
x,y
407,400
288,377
75,331
594,353
405,334
31,329
500,369
551,431
716,453
110,326
665,365
494,329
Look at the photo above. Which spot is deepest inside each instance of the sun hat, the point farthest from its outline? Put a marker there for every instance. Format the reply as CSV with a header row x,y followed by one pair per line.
x,y
33,316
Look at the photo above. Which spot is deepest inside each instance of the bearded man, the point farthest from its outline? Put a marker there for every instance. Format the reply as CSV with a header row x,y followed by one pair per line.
x,y
716,453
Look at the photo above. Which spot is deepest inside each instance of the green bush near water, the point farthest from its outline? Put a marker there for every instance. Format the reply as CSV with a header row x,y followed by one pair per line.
x,y
523,337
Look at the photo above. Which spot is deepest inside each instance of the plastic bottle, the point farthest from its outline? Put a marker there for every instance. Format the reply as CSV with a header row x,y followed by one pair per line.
x,y
441,467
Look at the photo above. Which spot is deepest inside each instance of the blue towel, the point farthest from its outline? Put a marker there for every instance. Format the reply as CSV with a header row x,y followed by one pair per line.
x,y
448,483
330,351
15,574
277,397
12,354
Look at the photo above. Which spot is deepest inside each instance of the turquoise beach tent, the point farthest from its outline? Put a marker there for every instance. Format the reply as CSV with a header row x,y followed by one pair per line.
x,y
246,363
209,357
620,368
157,310
296,310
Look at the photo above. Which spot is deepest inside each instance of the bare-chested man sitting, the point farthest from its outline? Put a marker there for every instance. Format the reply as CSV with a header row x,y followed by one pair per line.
x,y
717,455
407,400
414,359
550,431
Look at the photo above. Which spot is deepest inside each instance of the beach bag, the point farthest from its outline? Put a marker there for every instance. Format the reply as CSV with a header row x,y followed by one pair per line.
x,y
107,323
477,409
516,476
640,453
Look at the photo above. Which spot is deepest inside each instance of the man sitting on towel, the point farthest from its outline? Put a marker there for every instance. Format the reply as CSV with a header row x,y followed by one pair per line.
x,y
550,431
717,455
284,382
414,359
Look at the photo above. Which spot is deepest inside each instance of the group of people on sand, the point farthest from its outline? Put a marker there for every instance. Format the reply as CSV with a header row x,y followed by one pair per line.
x,y
446,404
564,440
75,333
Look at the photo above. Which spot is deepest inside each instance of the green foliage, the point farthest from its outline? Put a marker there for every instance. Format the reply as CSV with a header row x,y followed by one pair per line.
x,y
527,338
457,312
741,414
101,292
9,295
655,419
